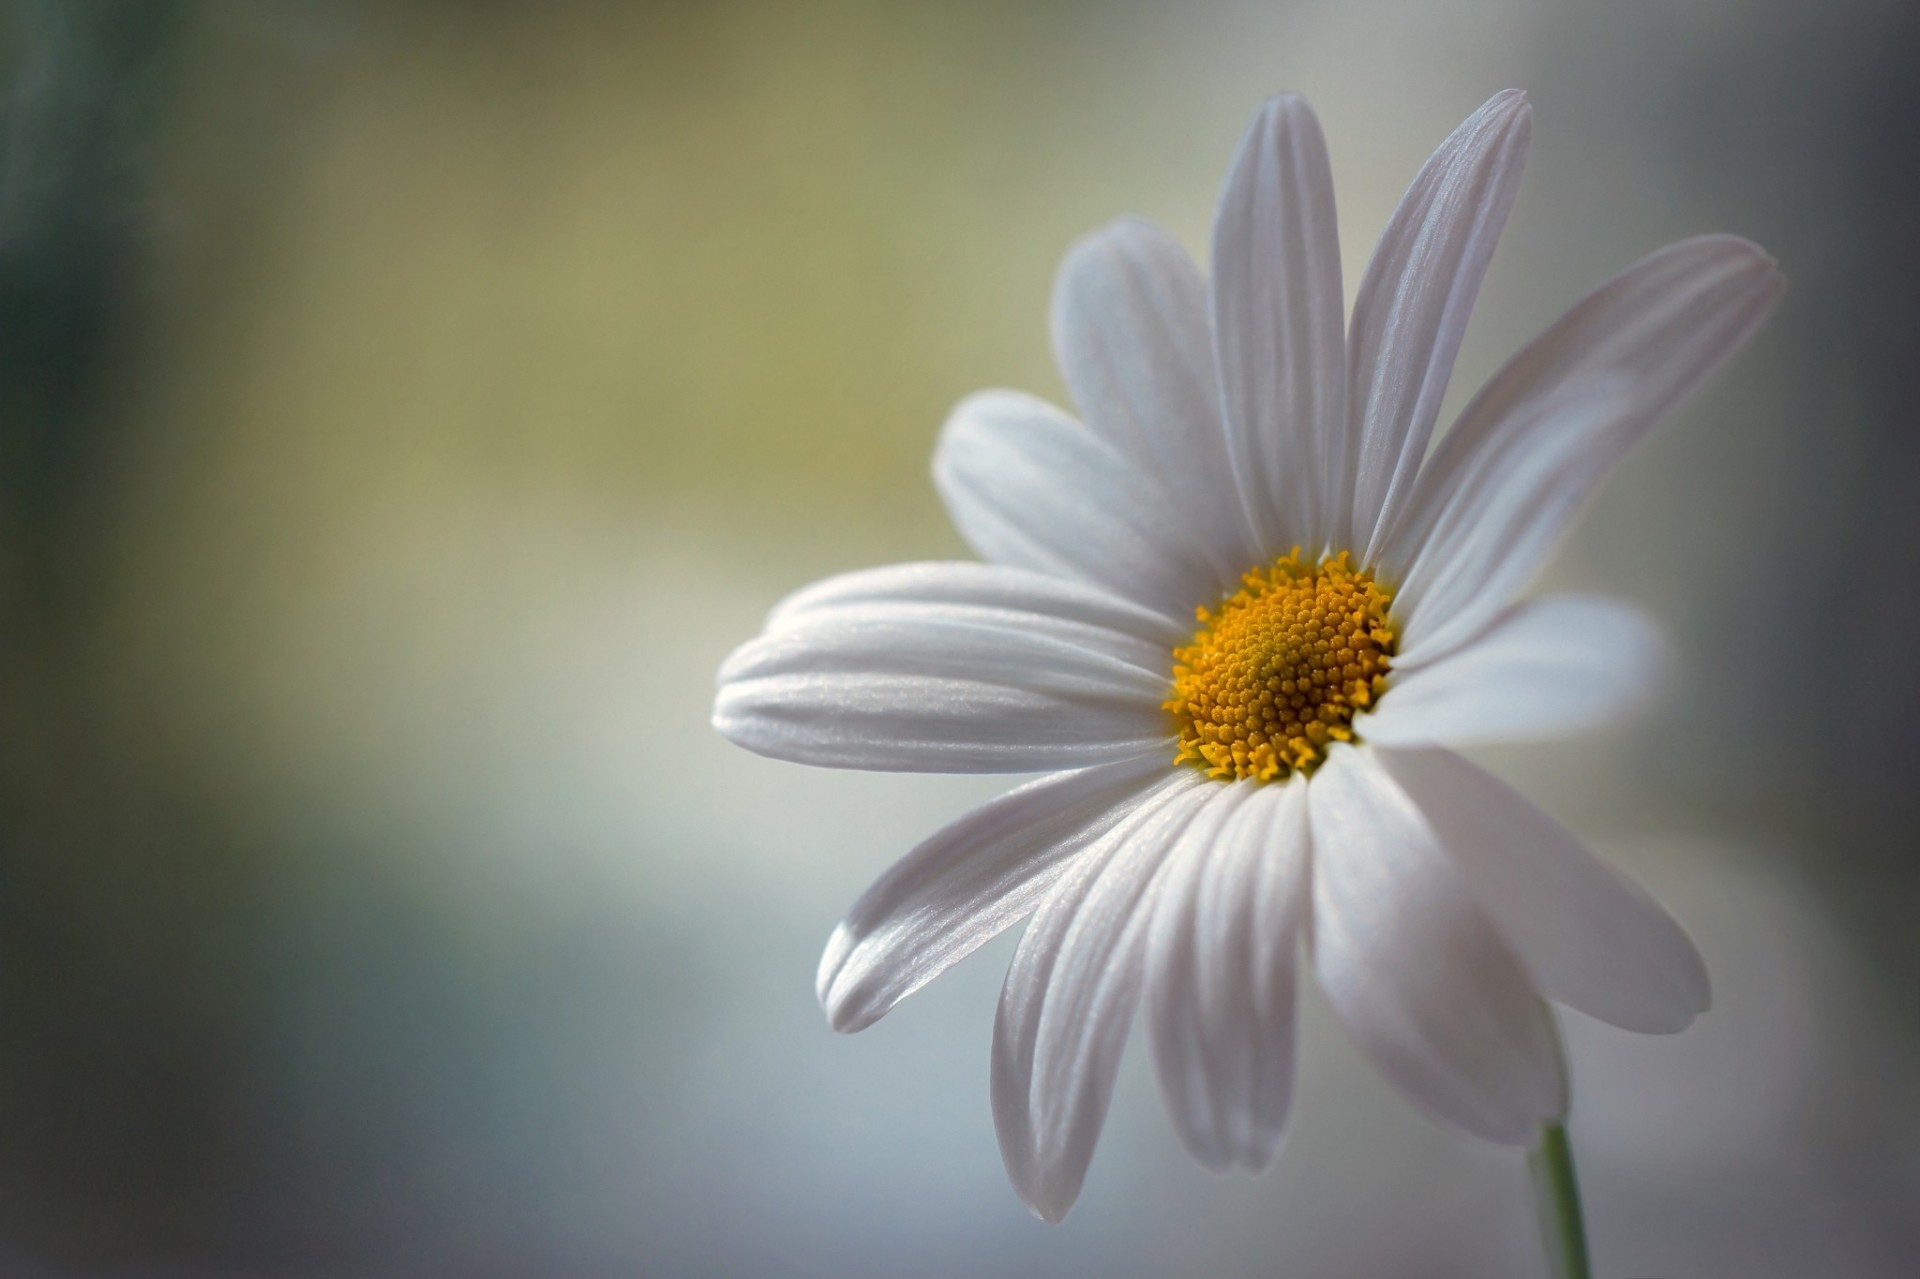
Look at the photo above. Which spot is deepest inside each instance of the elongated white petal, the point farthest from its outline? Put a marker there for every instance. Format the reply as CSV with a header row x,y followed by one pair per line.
x,y
1221,973
1277,325
1505,483
1588,936
1132,336
1412,308
967,883
1031,487
1417,975
941,688
1070,996
1484,546
993,587
1548,668
953,638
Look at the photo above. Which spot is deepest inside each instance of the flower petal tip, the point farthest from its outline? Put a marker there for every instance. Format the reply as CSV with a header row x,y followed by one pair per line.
x,y
1091,250
1510,111
1506,111
832,960
1282,113
844,1002
721,722
1051,1209
1745,253
1049,1197
1696,1000
1257,1155
845,1019
1121,227
1287,100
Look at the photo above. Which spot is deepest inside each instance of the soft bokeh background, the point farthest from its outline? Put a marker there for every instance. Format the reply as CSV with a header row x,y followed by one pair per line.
x,y
404,406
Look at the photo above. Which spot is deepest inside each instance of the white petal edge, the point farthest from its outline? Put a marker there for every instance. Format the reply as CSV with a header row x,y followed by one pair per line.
x,y
1070,996
1027,485
1222,969
1588,936
1277,309
1135,346
1414,970
1504,484
967,883
941,688
1412,308
1546,668
995,587
964,639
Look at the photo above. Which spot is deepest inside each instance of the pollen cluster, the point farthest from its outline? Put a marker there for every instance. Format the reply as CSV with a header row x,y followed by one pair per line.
x,y
1277,672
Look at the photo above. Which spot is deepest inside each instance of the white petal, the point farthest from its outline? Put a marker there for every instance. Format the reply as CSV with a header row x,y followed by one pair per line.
x,y
941,688
967,883
1417,975
1221,970
1131,333
1070,997
1412,308
1277,325
986,586
1506,481
1029,486
1499,522
1588,936
1547,668
962,635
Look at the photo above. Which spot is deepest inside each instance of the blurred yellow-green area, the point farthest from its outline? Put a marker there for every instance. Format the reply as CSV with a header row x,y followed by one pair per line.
x,y
404,407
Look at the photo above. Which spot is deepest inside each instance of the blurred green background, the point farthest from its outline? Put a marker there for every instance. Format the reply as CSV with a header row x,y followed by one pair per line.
x,y
403,407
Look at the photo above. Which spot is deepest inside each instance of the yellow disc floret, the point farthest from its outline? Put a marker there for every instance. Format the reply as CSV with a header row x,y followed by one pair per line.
x,y
1277,672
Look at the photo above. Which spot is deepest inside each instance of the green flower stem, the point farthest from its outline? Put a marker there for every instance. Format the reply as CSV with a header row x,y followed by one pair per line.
x,y
1556,1194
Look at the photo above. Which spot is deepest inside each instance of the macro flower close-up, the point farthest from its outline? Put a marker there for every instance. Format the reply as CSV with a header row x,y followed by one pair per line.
x,y
1239,612
954,640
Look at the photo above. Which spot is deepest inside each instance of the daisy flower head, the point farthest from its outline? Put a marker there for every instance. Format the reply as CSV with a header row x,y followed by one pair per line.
x,y
1238,612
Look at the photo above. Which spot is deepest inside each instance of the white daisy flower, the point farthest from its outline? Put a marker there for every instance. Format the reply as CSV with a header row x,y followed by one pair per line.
x,y
1238,613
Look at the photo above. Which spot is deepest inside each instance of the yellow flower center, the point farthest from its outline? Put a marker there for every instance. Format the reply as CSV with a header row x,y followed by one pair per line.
x,y
1277,672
